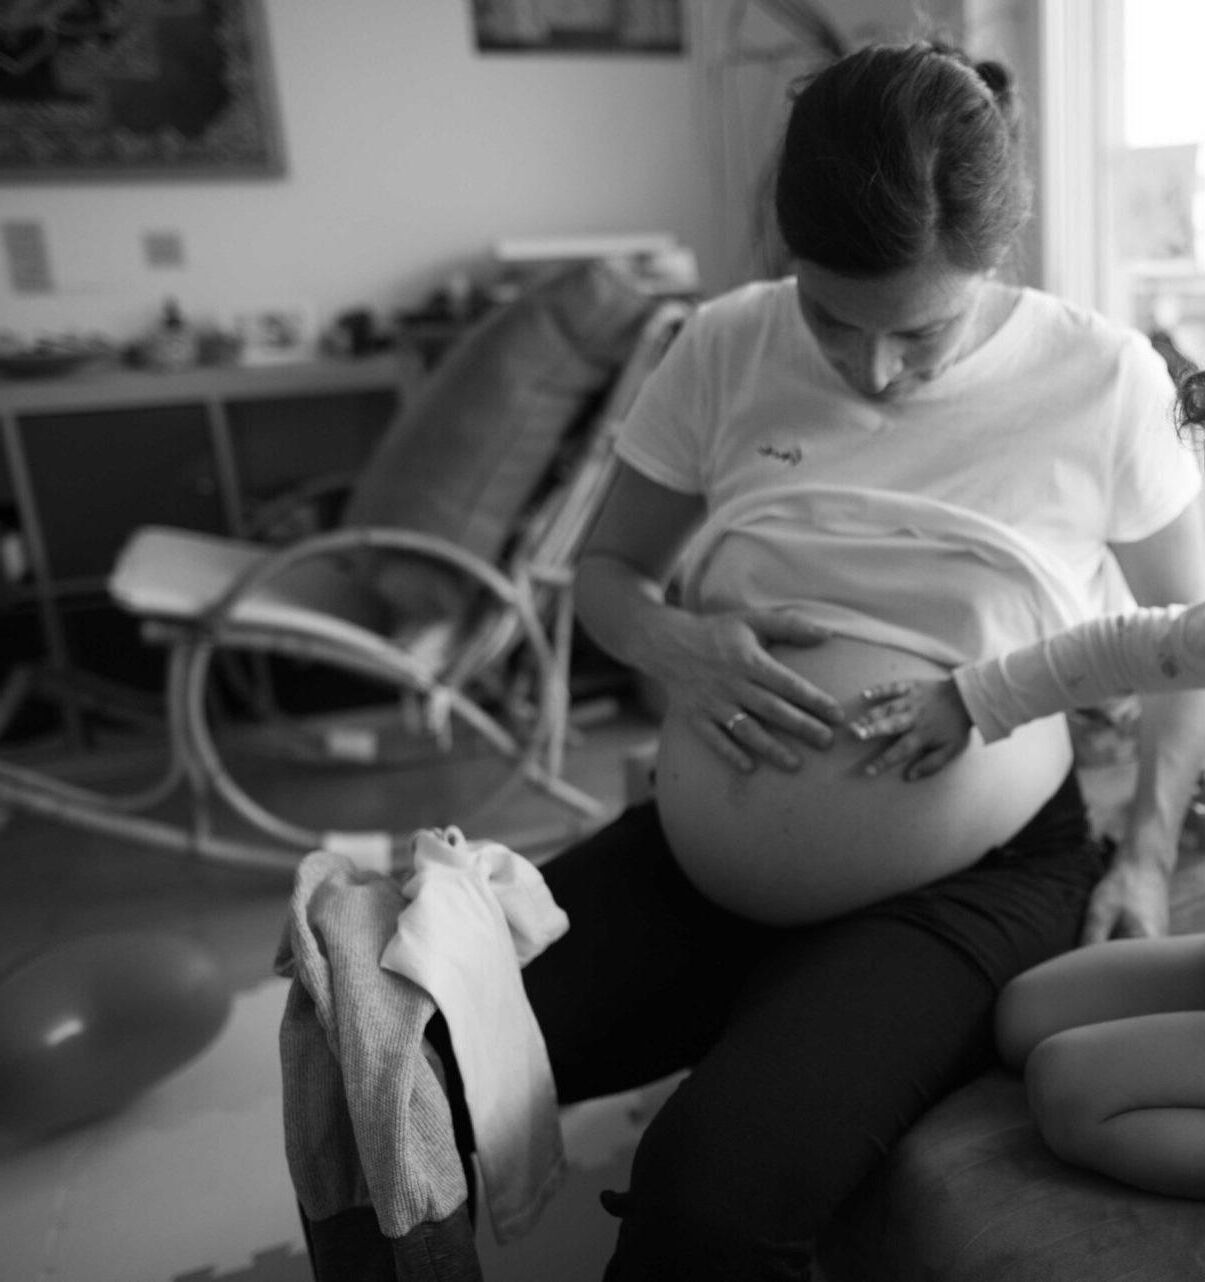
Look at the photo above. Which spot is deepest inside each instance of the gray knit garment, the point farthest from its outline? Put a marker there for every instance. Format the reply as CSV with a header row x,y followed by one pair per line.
x,y
366,1118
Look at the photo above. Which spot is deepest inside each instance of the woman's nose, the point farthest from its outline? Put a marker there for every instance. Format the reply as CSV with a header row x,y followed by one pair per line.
x,y
879,363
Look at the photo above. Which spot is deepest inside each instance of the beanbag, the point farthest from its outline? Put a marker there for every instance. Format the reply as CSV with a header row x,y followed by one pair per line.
x,y
87,1025
972,1194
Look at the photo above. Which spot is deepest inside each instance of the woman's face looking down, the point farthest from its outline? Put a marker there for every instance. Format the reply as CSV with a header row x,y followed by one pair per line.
x,y
886,335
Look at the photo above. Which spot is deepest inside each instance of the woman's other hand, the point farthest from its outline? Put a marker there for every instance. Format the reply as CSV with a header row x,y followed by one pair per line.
x,y
1131,900
741,701
717,670
926,719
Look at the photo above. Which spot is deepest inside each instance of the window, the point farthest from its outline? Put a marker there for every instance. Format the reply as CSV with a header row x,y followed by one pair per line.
x,y
1156,170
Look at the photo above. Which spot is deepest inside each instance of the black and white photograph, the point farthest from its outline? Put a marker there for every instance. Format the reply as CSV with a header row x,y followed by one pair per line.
x,y
602,641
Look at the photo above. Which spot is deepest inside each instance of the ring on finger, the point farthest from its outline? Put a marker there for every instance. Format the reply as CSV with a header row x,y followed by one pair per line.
x,y
733,721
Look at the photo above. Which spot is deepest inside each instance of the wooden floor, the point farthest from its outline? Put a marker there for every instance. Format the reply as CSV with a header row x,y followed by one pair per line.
x,y
58,881
189,1183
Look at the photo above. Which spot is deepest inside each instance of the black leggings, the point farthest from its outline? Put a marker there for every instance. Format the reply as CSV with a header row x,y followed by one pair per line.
x,y
812,1049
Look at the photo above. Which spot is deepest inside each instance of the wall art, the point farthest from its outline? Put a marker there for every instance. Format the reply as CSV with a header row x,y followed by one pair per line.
x,y
94,89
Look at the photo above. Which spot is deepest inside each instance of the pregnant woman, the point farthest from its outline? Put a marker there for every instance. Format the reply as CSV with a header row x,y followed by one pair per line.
x,y
884,466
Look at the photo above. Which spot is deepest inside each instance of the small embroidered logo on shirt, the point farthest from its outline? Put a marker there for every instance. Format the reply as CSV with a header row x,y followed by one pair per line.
x,y
792,457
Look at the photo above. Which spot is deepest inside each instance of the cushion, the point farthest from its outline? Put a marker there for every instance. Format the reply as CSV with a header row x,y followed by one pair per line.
x,y
463,459
972,1194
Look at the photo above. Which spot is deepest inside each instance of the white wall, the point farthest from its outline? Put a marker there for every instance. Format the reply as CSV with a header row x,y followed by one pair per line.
x,y
1011,30
745,66
407,153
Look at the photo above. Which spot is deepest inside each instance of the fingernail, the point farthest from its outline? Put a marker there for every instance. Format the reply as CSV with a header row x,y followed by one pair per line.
x,y
858,730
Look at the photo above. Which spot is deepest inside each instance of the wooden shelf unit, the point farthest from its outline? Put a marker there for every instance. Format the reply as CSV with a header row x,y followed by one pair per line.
x,y
88,457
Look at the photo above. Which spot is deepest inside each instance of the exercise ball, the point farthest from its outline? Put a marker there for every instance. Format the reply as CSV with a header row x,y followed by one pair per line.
x,y
87,1025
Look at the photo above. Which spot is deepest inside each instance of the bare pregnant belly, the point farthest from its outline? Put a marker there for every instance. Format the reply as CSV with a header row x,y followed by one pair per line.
x,y
798,847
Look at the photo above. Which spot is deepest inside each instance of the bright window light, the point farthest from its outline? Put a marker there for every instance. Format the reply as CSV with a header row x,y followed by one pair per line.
x,y
1164,44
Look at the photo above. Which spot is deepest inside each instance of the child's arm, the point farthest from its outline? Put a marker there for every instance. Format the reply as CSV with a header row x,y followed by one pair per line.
x,y
1151,650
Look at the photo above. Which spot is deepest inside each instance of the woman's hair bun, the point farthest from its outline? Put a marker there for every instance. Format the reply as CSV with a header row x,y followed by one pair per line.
x,y
997,77
1001,84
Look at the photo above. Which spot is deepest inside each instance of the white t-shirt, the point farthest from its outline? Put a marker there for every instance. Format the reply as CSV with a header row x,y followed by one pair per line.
x,y
1015,467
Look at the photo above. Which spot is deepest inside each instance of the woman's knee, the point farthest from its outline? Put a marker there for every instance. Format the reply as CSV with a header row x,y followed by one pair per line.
x,y
697,1230
709,1191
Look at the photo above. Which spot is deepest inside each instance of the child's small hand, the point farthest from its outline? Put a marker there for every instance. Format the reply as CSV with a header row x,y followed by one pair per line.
x,y
927,718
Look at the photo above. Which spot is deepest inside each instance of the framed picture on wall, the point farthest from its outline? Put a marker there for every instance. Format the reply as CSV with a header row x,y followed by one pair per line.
x,y
93,89
578,26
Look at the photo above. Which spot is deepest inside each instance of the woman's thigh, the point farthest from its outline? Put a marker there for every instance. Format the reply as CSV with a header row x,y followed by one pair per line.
x,y
842,1035
837,1044
640,984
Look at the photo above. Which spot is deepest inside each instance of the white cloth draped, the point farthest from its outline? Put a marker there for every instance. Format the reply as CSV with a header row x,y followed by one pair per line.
x,y
476,913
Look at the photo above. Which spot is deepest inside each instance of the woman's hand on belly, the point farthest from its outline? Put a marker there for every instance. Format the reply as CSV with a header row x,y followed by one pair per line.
x,y
742,702
827,839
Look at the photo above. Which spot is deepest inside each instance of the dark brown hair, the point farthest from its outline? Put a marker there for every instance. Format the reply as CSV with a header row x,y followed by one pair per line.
x,y
895,151
1190,401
